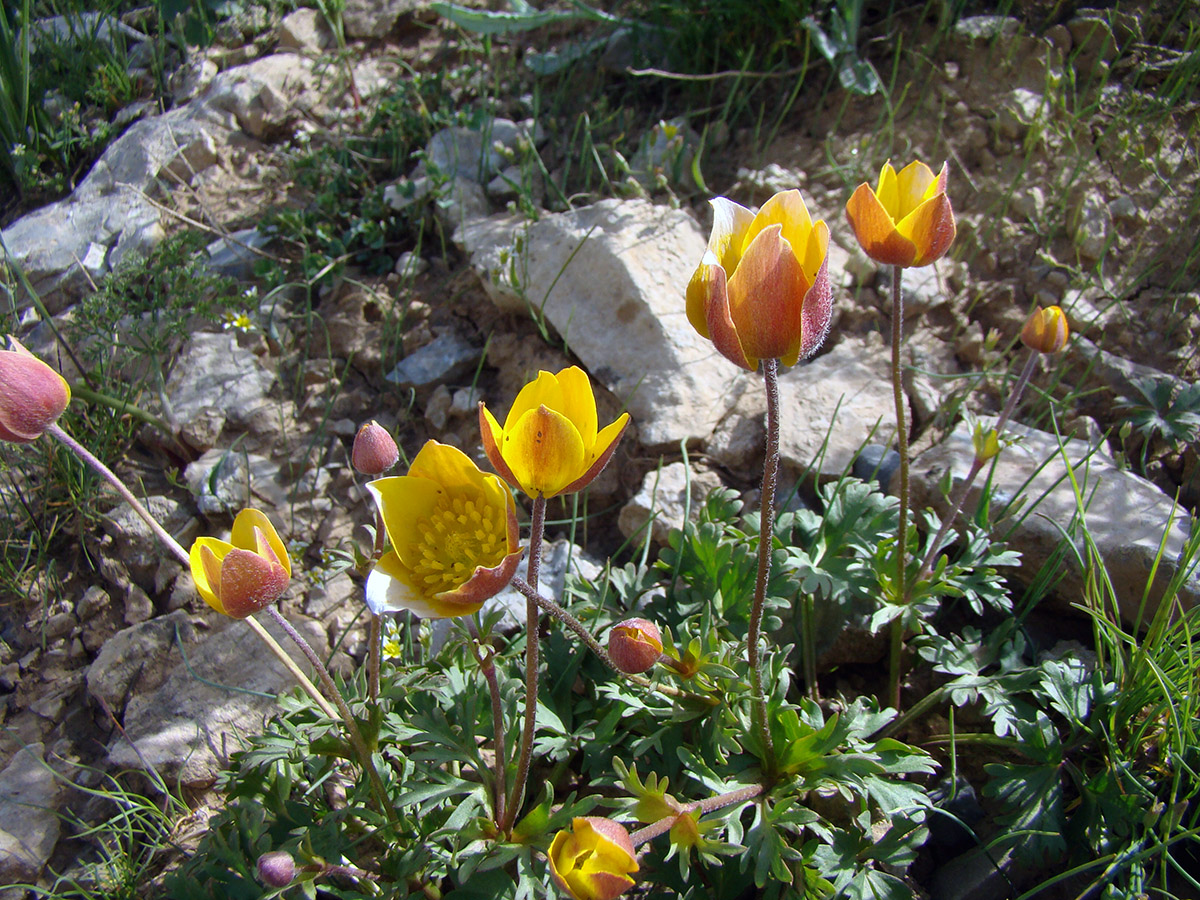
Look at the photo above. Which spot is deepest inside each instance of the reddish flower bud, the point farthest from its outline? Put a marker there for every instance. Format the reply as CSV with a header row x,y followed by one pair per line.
x,y
635,645
276,869
374,450
32,395
1046,330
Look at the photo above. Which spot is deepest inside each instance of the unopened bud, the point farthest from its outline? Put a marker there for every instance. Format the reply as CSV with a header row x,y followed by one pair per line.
x,y
32,395
1046,330
635,645
374,450
276,869
986,442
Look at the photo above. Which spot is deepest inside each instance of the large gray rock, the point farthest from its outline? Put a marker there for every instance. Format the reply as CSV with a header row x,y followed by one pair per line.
x,y
201,713
610,278
109,217
844,397
213,371
668,496
29,823
373,19
134,660
1126,514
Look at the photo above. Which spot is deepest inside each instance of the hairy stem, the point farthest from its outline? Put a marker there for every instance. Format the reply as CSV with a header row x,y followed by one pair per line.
x,y
766,533
352,730
719,801
536,529
897,642
487,665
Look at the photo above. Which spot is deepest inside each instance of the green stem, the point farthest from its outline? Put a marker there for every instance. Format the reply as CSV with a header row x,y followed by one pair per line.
x,y
83,392
897,642
516,798
720,801
352,730
766,533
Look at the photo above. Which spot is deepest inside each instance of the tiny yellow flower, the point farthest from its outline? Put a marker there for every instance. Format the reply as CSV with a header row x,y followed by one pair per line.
x,y
549,444
593,860
762,290
907,220
986,443
241,576
32,395
1046,330
453,532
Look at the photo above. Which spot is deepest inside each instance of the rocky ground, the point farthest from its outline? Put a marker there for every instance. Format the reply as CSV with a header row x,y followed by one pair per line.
x,y
1062,196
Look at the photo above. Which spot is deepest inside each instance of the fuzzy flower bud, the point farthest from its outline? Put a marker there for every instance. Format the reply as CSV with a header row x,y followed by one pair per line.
x,y
32,395
374,450
593,860
635,645
276,869
1046,330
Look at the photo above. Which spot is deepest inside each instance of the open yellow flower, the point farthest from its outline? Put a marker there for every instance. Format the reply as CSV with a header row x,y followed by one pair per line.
x,y
454,536
907,220
1046,330
549,444
240,576
762,289
32,395
593,860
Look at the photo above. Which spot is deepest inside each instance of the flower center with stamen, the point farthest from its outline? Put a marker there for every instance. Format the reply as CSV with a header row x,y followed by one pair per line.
x,y
461,535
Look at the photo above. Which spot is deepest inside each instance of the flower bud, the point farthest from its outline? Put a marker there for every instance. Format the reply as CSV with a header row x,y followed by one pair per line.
x,y
276,869
1046,330
593,860
374,450
986,442
32,395
635,645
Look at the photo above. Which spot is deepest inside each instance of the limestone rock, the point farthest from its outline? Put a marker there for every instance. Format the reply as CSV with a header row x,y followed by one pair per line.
x,y
188,727
214,371
375,18
664,500
29,823
845,395
136,546
306,31
611,278
134,660
1126,515
445,358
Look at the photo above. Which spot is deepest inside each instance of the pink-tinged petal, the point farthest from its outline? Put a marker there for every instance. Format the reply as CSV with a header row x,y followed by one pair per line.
x,y
542,391
875,230
249,527
787,210
484,584
579,403
719,327
492,436
816,314
606,444
930,228
765,295
405,502
731,222
205,561
707,281
914,182
249,583
32,395
544,451
888,191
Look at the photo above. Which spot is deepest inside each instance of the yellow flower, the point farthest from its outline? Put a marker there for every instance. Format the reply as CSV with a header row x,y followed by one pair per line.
x,y
453,531
762,289
1046,330
986,443
907,220
243,575
593,860
549,444
32,395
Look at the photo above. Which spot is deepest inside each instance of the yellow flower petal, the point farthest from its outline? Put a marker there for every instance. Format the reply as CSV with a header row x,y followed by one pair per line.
x,y
731,222
915,185
404,501
889,191
245,536
544,451
706,283
875,230
205,559
601,452
765,296
930,228
542,391
579,403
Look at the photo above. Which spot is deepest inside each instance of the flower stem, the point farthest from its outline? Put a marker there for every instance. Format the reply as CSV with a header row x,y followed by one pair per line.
x,y
960,494
719,801
766,534
897,642
596,647
536,529
487,665
375,639
352,730
168,540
